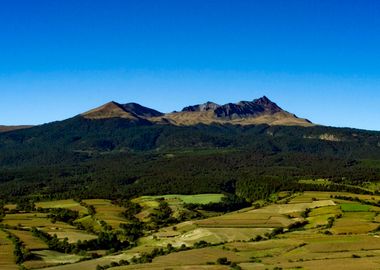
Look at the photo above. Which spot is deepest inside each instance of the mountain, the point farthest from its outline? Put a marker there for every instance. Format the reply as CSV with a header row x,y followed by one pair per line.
x,y
11,128
258,111
128,150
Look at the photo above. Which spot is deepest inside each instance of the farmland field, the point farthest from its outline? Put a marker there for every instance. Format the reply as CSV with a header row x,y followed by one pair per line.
x,y
108,212
89,223
29,220
176,202
353,207
73,236
309,230
31,242
69,204
7,260
49,258
198,199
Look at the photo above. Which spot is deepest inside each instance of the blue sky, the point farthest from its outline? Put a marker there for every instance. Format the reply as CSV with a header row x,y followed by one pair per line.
x,y
316,58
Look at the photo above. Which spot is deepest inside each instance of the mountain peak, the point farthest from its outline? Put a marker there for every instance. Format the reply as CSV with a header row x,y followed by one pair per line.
x,y
111,109
111,103
269,105
264,101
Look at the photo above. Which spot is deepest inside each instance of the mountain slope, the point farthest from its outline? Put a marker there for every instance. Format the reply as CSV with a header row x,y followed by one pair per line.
x,y
110,110
11,128
141,111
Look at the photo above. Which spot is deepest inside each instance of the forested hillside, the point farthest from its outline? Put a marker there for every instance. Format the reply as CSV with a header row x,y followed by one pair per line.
x,y
117,157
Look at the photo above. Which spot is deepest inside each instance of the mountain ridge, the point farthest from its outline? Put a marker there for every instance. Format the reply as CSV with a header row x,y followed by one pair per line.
x,y
258,111
12,128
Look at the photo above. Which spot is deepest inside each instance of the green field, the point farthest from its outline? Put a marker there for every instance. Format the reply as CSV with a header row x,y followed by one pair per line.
x,y
353,207
89,223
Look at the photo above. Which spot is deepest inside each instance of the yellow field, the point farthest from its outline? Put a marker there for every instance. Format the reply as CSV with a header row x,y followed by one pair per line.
x,y
7,261
50,258
73,235
31,242
10,206
265,248
346,263
218,235
318,221
88,222
68,204
197,256
327,210
353,226
250,219
210,235
110,213
91,265
180,199
154,266
271,216
30,220
309,251
26,220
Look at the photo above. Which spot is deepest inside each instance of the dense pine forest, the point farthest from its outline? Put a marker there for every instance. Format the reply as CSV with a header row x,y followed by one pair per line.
x,y
117,158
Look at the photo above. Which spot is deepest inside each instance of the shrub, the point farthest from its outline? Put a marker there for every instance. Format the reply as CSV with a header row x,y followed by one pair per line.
x,y
223,261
